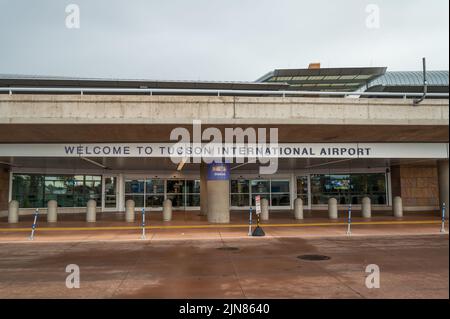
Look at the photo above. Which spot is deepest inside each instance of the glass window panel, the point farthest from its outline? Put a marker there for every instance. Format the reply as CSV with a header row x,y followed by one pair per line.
x,y
193,200
175,186
349,188
34,191
177,200
138,199
240,186
280,186
193,186
110,186
260,186
28,190
302,189
281,199
134,186
240,200
154,186
266,196
154,201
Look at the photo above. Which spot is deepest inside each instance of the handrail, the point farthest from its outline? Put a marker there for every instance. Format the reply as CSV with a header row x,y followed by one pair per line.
x,y
215,92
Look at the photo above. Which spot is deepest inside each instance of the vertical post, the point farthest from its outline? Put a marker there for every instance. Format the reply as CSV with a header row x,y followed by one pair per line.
x,y
33,227
143,237
250,223
443,218
349,226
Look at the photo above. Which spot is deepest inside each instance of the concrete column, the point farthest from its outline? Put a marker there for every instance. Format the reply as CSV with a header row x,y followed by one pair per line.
x,y
52,211
121,193
264,209
91,213
443,184
332,208
167,210
398,207
366,207
218,201
298,209
129,211
203,189
13,212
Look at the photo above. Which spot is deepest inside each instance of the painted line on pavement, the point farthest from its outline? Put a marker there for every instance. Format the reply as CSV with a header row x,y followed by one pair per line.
x,y
108,228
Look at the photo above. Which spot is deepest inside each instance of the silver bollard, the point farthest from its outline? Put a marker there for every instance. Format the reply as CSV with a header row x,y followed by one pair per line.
x,y
143,235
398,207
366,209
34,226
264,209
129,211
332,208
444,208
349,221
250,222
167,210
91,213
13,212
298,209
52,213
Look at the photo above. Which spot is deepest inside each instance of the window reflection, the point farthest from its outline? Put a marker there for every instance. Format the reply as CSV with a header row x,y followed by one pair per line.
x,y
349,188
34,191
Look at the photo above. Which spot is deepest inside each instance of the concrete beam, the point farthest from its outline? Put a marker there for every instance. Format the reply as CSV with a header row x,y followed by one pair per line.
x,y
101,109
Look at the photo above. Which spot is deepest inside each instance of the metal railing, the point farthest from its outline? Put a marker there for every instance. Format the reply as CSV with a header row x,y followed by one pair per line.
x,y
213,92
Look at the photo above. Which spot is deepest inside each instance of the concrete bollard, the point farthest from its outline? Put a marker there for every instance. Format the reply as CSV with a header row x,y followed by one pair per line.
x,y
298,209
366,207
129,211
91,213
52,211
264,209
167,210
332,208
13,212
398,207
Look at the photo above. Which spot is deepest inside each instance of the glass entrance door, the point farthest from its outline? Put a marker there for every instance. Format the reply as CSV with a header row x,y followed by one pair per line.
x,y
110,193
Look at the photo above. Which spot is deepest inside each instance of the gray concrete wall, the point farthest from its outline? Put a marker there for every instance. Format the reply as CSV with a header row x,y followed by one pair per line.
x,y
77,109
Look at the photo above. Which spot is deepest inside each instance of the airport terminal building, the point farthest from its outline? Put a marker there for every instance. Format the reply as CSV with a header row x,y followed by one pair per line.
x,y
343,133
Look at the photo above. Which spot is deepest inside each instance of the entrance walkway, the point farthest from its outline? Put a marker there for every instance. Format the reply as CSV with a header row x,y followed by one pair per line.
x,y
190,225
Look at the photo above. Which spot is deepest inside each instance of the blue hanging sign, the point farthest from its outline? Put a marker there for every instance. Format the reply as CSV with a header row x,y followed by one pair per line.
x,y
218,171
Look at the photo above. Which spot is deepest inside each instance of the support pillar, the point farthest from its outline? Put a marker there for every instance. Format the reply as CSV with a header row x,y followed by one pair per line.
x,y
264,209
203,189
443,184
218,193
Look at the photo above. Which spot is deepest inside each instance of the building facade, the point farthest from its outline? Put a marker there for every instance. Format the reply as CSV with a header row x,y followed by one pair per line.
x,y
73,140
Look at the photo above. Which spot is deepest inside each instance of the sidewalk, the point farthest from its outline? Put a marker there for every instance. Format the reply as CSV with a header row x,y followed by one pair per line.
x,y
191,226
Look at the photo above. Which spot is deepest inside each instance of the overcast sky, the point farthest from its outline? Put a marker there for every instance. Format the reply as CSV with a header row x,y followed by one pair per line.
x,y
237,40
